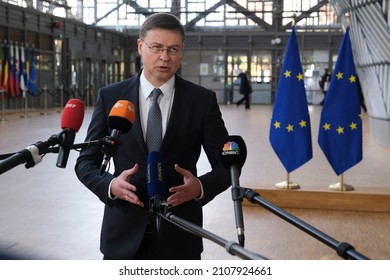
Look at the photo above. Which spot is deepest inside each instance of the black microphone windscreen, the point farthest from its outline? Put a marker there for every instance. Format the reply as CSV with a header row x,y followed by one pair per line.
x,y
233,152
155,174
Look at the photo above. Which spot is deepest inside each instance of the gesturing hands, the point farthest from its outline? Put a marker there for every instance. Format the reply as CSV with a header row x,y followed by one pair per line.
x,y
190,189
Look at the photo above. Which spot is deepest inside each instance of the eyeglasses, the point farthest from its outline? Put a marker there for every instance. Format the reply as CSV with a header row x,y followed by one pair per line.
x,y
158,49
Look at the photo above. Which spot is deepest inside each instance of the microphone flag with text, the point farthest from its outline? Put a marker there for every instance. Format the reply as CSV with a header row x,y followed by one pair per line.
x,y
71,121
156,185
233,156
120,120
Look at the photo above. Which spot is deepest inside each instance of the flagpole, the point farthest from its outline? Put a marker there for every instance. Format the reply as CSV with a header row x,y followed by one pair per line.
x,y
45,91
25,103
2,104
294,16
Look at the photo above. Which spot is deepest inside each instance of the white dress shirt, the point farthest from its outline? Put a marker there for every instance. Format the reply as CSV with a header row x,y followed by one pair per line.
x,y
165,101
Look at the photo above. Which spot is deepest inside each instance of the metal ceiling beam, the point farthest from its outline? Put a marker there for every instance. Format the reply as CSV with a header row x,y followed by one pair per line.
x,y
190,25
109,12
305,14
138,9
249,14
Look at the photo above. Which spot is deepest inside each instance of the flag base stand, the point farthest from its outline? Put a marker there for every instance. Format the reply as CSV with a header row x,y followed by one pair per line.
x,y
341,186
25,116
287,185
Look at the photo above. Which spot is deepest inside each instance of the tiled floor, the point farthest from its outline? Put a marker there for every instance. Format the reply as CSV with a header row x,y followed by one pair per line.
x,y
46,213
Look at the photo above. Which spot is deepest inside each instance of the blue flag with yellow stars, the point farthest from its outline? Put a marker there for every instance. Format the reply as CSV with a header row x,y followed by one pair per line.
x,y
290,133
340,132
32,83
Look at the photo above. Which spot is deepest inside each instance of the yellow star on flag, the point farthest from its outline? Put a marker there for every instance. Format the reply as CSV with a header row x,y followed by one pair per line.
x,y
339,75
287,74
326,126
302,123
277,124
300,77
340,130
353,126
290,128
352,79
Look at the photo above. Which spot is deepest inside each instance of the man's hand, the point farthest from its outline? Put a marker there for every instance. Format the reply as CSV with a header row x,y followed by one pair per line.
x,y
191,188
122,189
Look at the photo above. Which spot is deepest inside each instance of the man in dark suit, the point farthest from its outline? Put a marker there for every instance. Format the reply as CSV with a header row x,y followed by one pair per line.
x,y
191,119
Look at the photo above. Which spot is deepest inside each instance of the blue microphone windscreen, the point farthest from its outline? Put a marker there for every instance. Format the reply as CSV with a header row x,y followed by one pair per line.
x,y
155,174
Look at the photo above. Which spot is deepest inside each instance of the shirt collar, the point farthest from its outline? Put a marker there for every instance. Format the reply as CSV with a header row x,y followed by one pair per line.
x,y
146,87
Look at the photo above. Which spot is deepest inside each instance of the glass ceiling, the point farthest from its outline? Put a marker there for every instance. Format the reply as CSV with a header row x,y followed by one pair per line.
x,y
195,14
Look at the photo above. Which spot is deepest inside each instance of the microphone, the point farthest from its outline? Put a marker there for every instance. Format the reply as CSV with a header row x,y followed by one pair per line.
x,y
71,120
232,157
120,120
156,185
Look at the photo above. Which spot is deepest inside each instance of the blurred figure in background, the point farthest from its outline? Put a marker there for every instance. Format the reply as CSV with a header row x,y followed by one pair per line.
x,y
324,83
245,89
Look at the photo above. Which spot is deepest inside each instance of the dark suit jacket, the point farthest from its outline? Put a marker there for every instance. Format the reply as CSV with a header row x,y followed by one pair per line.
x,y
195,121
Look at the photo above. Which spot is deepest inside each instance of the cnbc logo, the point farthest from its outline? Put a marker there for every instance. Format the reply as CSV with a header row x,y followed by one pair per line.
x,y
230,148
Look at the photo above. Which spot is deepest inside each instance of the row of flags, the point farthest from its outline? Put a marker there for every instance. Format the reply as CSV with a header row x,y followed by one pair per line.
x,y
17,70
340,131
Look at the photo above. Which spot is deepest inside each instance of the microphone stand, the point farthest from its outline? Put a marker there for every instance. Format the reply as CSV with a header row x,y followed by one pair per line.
x,y
237,197
32,154
343,249
231,247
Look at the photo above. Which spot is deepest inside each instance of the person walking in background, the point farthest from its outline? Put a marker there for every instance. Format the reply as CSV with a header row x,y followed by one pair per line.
x,y
245,89
191,120
324,83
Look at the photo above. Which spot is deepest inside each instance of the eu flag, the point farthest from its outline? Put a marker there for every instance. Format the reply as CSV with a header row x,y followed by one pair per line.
x,y
340,133
32,83
290,132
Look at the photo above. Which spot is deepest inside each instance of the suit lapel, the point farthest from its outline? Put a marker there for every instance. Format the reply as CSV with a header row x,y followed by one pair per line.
x,y
178,109
133,97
